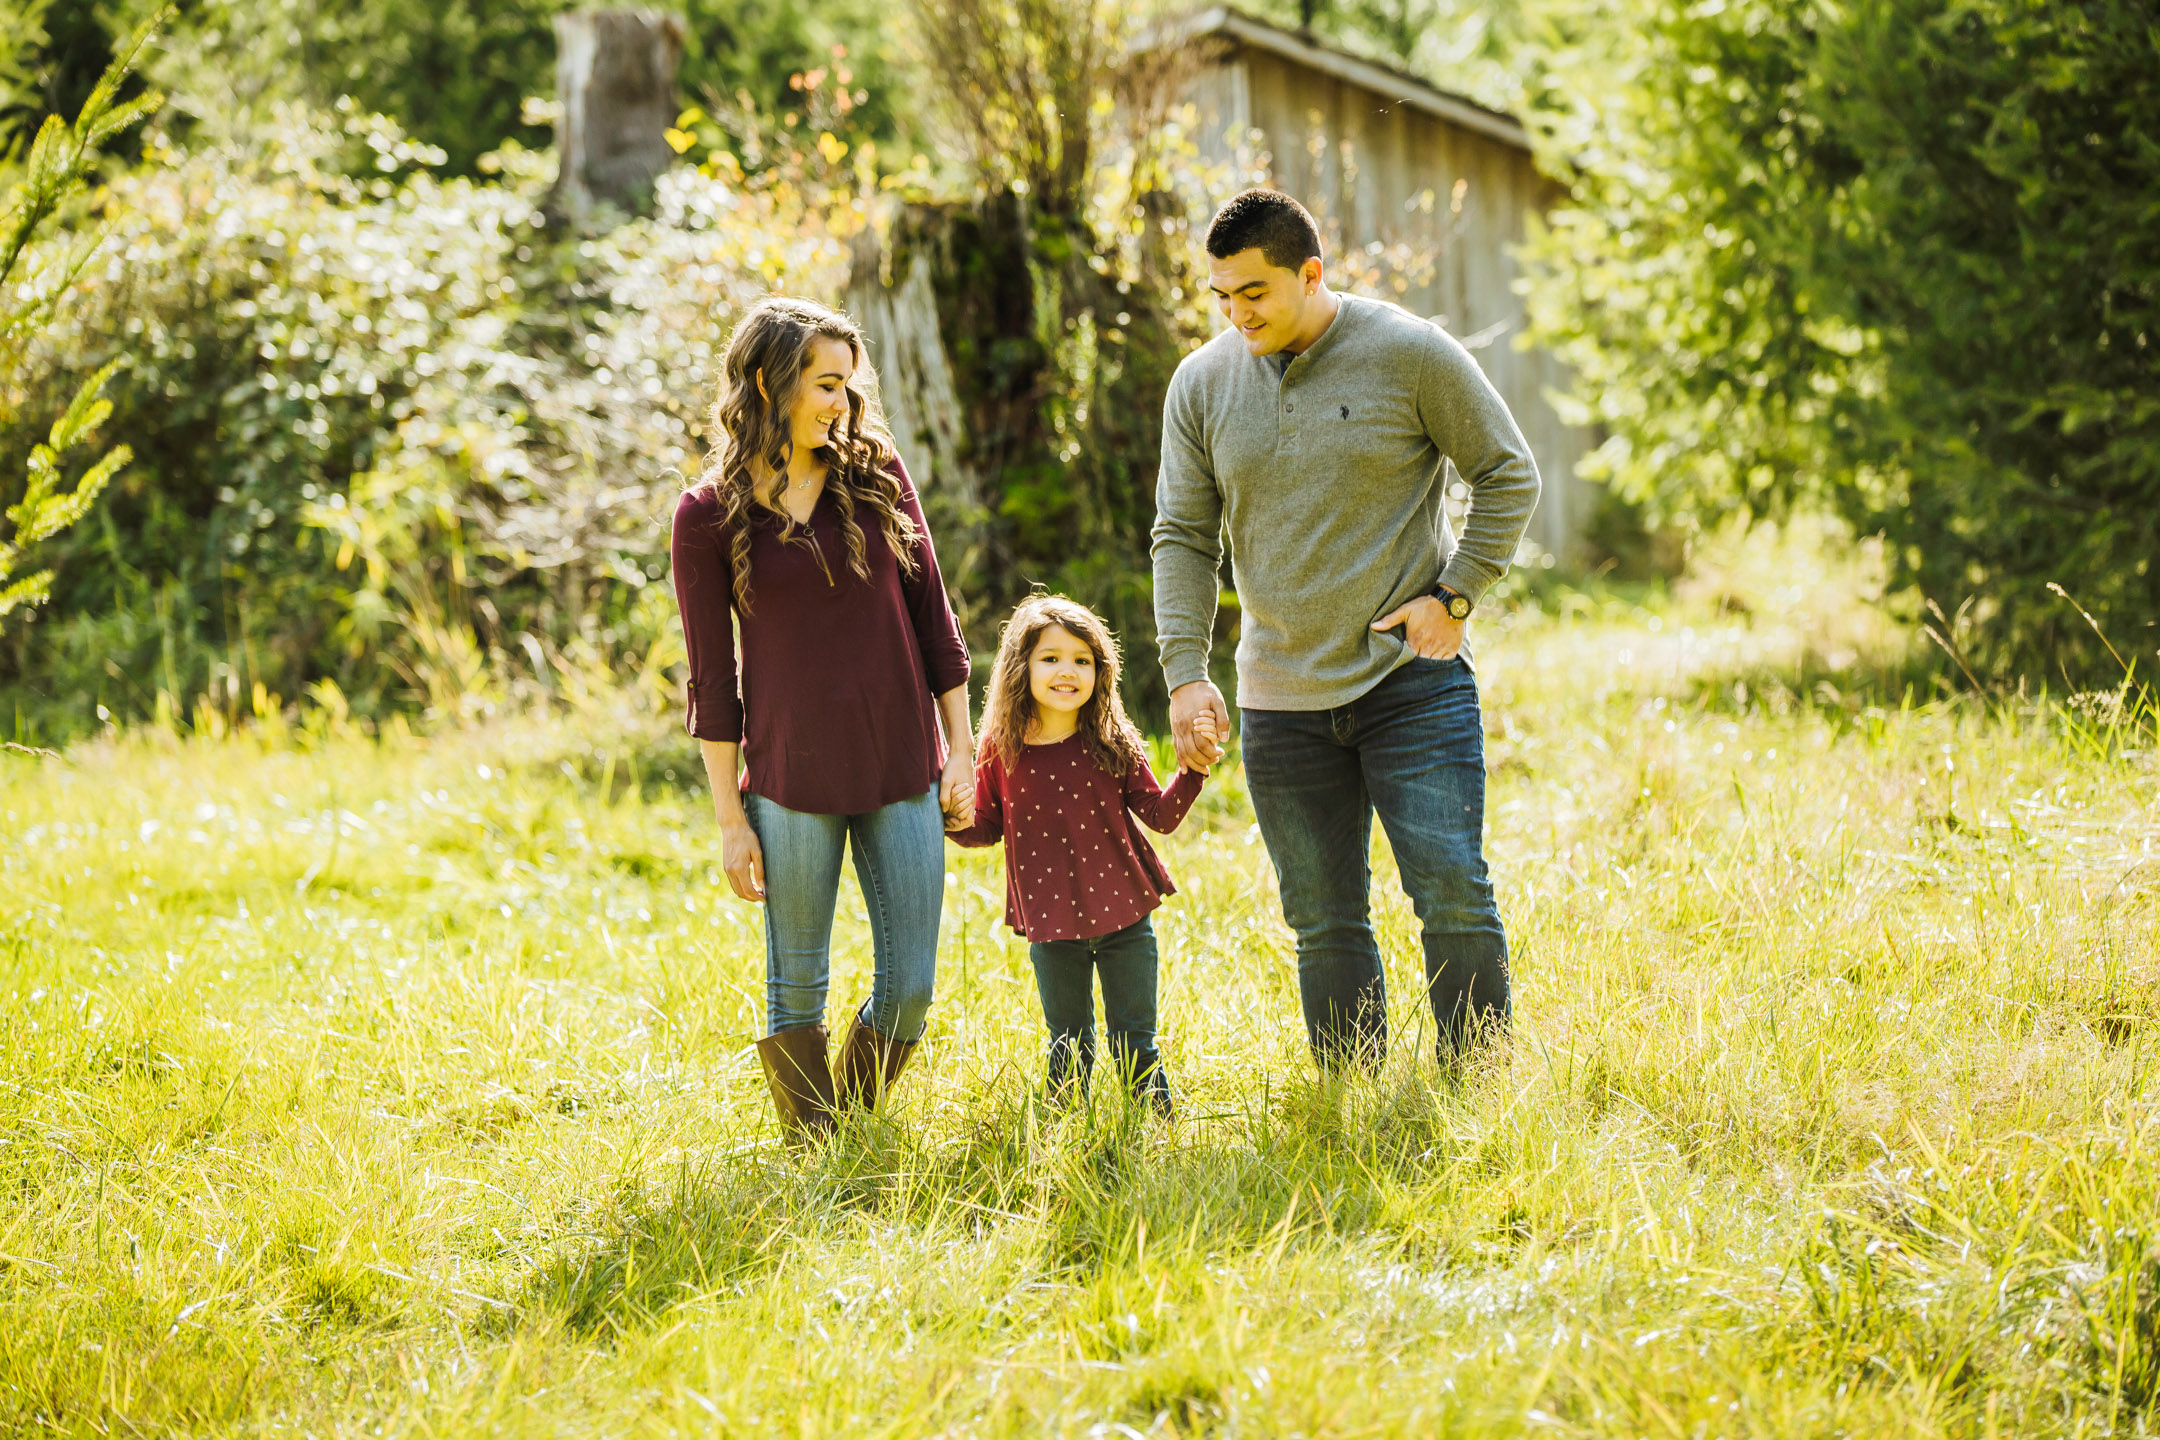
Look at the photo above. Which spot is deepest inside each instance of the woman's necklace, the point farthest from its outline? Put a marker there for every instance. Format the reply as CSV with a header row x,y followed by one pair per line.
x,y
787,492
782,496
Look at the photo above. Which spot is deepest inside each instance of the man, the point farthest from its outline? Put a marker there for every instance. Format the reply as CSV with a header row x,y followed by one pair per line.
x,y
1313,432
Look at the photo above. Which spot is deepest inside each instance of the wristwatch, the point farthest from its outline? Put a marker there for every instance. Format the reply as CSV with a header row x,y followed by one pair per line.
x,y
1458,606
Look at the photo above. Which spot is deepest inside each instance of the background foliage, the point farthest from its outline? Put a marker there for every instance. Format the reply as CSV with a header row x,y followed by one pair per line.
x,y
406,448
454,73
1068,287
1475,47
398,441
32,278
1902,257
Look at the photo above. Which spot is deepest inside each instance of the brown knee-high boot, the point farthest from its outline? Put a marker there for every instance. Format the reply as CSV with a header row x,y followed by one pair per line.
x,y
868,1064
802,1086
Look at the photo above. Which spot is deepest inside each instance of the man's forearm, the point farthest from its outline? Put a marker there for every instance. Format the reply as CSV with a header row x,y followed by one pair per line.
x,y
1188,543
1187,586
1501,503
1469,422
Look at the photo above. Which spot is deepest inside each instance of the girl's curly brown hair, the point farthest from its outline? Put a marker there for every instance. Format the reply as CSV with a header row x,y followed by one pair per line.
x,y
1112,740
773,343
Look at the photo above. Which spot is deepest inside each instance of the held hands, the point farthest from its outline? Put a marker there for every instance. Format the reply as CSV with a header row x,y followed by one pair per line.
x,y
1204,737
956,791
1199,724
1429,631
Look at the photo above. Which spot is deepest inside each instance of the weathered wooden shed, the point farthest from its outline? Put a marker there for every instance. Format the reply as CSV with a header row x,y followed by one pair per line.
x,y
1405,177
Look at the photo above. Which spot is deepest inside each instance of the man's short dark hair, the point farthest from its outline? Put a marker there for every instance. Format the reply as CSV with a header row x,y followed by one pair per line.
x,y
1268,221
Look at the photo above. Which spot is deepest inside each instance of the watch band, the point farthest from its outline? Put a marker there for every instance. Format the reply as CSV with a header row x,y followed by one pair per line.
x,y
1458,605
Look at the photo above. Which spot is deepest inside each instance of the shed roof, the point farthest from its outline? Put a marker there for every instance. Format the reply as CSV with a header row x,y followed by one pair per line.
x,y
1398,86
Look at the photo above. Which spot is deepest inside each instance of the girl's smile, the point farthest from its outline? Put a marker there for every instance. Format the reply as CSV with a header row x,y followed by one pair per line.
x,y
1061,678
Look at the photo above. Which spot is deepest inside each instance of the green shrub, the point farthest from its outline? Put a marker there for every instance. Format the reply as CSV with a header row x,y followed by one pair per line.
x,y
392,434
34,278
453,73
1901,255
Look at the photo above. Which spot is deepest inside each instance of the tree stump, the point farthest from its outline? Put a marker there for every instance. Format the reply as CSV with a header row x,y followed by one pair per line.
x,y
916,386
615,86
947,304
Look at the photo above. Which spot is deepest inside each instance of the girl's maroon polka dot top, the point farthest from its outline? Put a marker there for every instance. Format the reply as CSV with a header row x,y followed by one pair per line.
x,y
1076,863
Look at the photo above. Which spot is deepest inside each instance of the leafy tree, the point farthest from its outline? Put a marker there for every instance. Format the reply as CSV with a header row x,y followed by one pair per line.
x,y
31,286
398,444
57,56
455,73
1470,46
1901,255
23,22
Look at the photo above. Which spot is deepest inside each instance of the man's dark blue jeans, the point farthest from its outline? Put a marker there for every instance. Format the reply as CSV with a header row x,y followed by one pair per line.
x,y
1065,972
1413,749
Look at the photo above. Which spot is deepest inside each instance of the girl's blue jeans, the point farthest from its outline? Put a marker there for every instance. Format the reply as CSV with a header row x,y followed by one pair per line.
x,y
1065,972
900,860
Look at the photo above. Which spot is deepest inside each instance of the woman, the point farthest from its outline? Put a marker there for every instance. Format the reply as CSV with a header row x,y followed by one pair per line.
x,y
851,716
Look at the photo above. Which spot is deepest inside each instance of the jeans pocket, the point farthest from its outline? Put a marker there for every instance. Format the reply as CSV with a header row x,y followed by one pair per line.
x,y
1439,668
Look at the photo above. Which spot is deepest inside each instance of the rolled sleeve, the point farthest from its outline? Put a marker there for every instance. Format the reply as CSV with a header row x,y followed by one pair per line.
x,y
704,592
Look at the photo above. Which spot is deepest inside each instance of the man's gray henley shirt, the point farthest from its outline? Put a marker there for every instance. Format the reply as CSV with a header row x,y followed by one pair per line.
x,y
1325,473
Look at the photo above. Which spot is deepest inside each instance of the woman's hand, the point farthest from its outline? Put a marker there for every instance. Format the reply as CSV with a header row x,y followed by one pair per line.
x,y
741,856
956,791
956,786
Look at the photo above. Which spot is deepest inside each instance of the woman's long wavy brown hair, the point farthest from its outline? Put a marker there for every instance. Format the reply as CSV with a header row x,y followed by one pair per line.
x,y
1111,739
773,341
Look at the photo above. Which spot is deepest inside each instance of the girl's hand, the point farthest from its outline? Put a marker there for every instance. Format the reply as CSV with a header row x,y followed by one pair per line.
x,y
1203,729
956,791
741,857
1187,704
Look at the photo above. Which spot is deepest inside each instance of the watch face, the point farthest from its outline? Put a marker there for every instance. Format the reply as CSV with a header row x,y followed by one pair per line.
x,y
1458,606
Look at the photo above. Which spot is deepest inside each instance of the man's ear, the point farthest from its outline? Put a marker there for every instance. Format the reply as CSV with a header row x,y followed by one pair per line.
x,y
1309,274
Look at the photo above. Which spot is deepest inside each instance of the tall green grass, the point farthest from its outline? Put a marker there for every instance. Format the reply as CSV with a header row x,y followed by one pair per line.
x,y
402,1086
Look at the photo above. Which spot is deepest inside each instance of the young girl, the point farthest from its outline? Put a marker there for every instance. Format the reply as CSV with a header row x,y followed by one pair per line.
x,y
1061,776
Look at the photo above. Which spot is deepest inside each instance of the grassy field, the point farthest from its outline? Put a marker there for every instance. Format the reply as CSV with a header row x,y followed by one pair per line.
x,y
402,1087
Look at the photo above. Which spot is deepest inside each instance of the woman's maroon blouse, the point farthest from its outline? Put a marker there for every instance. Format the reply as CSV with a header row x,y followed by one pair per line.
x,y
832,691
